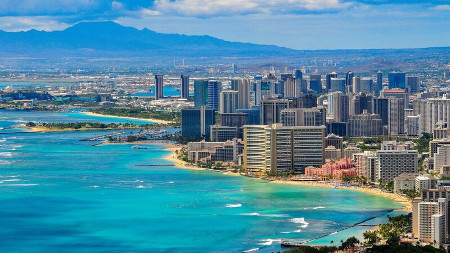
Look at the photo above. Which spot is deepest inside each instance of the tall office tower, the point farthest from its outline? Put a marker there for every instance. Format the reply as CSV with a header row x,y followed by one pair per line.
x,y
413,126
432,111
359,103
356,85
349,82
303,117
328,79
200,93
185,86
337,84
379,85
340,107
243,87
396,93
159,84
307,101
291,89
234,68
315,83
271,110
264,87
223,133
397,80
214,88
292,149
365,125
195,123
413,84
366,85
381,107
238,119
228,101
255,149
253,115
396,119
299,81
392,163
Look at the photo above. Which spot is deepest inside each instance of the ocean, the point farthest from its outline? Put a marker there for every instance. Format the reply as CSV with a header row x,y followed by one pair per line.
x,y
60,194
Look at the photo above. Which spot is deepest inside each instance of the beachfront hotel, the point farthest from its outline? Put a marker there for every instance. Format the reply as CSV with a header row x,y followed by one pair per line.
x,y
277,148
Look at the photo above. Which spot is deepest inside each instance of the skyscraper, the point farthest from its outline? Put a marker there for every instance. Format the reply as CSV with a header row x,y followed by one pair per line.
x,y
396,119
328,79
299,81
271,110
315,82
341,107
159,84
214,88
413,84
397,80
356,85
349,82
185,86
366,85
379,85
243,89
200,93
291,89
195,123
228,101
337,84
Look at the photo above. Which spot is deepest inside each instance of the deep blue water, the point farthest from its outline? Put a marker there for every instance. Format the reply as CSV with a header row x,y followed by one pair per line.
x,y
58,194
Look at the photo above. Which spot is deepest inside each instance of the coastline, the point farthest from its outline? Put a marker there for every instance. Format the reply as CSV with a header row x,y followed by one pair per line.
x,y
404,201
150,120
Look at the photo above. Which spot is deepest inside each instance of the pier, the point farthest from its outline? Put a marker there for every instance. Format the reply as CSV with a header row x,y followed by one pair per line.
x,y
289,244
102,137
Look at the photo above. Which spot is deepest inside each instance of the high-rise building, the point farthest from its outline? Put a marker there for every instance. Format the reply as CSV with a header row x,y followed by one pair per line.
x,y
392,163
228,101
214,88
328,79
223,133
413,126
303,117
291,89
365,125
200,93
299,81
366,85
396,118
271,110
243,87
359,103
337,84
195,123
381,107
397,80
159,84
307,101
356,84
367,165
185,86
413,84
340,107
264,87
253,115
349,81
315,83
277,148
379,85
432,111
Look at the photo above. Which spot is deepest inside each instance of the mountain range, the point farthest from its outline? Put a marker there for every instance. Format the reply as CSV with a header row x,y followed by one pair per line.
x,y
112,39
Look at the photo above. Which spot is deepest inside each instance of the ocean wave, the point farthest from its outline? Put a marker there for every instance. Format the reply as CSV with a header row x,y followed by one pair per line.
x,y
10,180
300,221
171,182
268,242
3,162
2,139
94,186
233,205
5,154
251,250
318,207
250,214
25,185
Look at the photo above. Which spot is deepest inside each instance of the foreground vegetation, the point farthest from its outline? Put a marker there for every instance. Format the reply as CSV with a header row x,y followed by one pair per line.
x,y
85,126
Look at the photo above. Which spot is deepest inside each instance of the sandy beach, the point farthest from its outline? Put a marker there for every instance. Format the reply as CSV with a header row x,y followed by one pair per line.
x,y
157,121
404,201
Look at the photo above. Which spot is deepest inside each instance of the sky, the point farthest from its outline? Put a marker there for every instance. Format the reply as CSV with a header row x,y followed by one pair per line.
x,y
298,24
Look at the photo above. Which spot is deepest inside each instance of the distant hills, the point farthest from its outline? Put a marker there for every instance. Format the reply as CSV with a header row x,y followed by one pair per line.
x,y
112,39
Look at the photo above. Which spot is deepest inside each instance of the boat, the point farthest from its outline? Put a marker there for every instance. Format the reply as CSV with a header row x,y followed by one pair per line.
x,y
139,147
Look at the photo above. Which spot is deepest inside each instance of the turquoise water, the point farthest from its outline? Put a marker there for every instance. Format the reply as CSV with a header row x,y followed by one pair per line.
x,y
58,194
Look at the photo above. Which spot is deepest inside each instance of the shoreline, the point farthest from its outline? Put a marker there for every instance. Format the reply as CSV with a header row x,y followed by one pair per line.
x,y
402,200
151,120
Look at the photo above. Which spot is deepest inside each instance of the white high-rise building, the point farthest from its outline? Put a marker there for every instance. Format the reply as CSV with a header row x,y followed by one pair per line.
x,y
228,101
392,163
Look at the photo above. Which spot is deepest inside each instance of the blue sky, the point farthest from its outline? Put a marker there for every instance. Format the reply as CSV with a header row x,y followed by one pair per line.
x,y
299,24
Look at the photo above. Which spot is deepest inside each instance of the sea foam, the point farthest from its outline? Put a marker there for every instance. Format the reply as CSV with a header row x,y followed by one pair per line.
x,y
233,205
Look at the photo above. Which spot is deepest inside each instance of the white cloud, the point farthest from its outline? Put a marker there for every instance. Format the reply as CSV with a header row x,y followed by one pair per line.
x,y
24,23
444,7
208,8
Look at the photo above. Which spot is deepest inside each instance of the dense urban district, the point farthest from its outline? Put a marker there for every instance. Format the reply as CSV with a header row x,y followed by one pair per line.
x,y
382,132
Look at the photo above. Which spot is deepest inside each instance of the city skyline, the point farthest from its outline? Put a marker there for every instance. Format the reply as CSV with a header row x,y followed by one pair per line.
x,y
298,24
